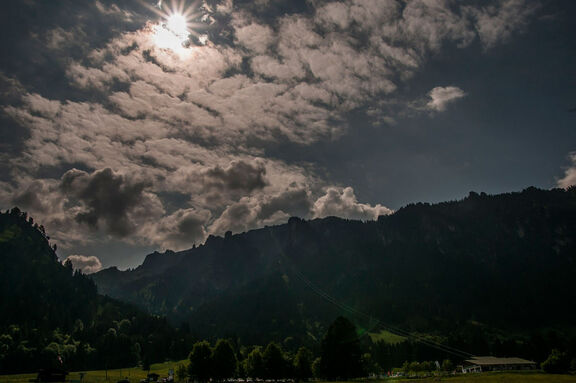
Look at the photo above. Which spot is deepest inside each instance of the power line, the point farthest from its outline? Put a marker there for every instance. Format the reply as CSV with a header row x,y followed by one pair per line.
x,y
351,310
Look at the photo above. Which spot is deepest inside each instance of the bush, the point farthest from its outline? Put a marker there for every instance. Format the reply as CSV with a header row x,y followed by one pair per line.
x,y
556,363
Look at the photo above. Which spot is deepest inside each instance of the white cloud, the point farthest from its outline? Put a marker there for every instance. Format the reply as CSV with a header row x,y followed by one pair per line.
x,y
88,264
255,37
441,97
569,178
199,125
497,23
343,203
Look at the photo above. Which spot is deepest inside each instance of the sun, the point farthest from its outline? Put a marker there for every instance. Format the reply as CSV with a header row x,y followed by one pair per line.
x,y
178,25
172,33
178,28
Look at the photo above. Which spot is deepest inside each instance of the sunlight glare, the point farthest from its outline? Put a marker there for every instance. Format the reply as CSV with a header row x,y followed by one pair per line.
x,y
177,24
173,34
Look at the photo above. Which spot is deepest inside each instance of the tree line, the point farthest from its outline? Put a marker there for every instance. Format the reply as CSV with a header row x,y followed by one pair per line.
x,y
340,358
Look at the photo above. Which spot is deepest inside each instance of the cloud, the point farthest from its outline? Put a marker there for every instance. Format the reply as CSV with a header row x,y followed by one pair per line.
x,y
88,264
30,197
238,175
255,37
441,97
343,203
173,146
108,201
569,178
295,201
181,229
497,22
265,209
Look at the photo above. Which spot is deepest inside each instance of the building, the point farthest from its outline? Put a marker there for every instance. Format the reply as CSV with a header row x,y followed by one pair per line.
x,y
51,375
492,363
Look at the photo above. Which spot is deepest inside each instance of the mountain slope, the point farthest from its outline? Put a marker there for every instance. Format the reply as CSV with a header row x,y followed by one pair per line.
x,y
52,316
507,261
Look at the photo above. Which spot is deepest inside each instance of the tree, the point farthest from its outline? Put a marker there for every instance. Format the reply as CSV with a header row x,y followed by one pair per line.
x,y
254,364
556,363
341,355
223,361
447,365
200,361
68,265
303,364
146,363
181,372
273,362
316,369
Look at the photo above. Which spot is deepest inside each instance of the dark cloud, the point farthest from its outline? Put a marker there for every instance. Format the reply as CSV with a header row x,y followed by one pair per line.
x,y
109,201
296,202
40,38
239,175
30,197
181,229
270,10
238,217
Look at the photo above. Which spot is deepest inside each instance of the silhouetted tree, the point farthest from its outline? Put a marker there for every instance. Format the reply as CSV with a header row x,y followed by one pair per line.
x,y
68,265
273,362
341,356
303,364
316,368
200,361
254,364
223,361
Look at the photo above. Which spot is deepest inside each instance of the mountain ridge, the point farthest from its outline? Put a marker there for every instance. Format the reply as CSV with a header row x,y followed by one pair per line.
x,y
500,260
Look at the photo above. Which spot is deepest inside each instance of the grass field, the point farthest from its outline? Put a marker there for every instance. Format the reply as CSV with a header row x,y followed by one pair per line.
x,y
386,337
497,377
133,374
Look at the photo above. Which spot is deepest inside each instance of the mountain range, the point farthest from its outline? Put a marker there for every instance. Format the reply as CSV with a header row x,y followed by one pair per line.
x,y
505,262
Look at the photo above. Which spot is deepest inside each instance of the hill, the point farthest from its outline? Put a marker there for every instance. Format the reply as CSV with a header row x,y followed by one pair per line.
x,y
472,272
54,317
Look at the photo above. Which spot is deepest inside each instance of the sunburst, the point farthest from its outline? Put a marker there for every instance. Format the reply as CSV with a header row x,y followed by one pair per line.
x,y
178,26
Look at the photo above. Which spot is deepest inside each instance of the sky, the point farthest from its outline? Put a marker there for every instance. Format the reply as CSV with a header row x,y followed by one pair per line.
x,y
132,126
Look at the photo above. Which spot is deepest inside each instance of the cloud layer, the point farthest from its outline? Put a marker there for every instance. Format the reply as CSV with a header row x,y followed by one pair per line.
x,y
164,147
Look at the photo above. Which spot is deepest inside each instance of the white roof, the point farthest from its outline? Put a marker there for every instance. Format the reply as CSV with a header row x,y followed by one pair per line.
x,y
490,360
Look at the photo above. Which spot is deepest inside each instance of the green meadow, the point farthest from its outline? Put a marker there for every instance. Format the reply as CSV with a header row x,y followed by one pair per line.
x,y
499,377
134,374
387,337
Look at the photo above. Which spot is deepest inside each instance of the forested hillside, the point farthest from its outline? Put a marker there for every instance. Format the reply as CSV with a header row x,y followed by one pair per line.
x,y
470,270
54,317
